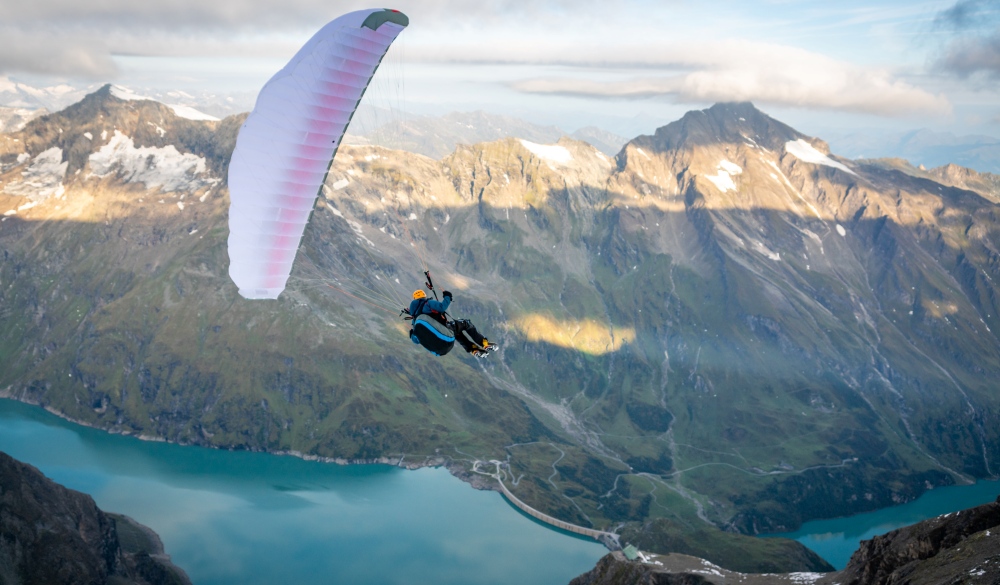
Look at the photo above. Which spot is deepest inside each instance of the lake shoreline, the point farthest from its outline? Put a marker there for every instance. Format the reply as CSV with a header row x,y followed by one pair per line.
x,y
477,481
230,516
456,468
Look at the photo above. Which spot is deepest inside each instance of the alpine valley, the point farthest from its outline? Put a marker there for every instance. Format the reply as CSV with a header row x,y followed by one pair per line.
x,y
722,331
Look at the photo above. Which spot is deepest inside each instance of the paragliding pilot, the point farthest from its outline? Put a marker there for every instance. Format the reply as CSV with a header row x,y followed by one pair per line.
x,y
432,329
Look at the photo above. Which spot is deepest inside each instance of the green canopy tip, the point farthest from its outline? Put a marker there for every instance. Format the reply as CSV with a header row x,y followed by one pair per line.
x,y
377,19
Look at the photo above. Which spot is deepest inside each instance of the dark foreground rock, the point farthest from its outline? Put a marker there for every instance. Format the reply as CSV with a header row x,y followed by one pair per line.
x,y
962,547
958,548
51,534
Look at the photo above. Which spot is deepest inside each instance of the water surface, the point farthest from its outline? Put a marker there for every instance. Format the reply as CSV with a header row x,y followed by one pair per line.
x,y
235,517
836,539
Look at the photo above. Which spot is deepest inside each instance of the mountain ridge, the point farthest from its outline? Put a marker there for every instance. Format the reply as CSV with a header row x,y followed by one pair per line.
x,y
439,136
954,547
710,329
925,147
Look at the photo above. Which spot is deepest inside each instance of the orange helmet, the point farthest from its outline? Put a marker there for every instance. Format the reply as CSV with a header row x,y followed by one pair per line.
x,y
419,294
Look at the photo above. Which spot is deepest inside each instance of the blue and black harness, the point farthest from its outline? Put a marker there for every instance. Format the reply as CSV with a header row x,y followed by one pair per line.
x,y
433,333
431,328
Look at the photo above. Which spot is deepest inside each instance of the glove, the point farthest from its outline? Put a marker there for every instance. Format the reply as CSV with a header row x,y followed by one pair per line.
x,y
447,294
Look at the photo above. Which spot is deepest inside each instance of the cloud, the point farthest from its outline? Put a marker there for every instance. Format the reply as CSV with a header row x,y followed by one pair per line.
x,y
967,57
202,15
975,45
968,14
41,52
80,38
759,72
194,14
598,39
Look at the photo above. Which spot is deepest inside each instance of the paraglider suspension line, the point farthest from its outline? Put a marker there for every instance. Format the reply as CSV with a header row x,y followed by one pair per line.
x,y
379,307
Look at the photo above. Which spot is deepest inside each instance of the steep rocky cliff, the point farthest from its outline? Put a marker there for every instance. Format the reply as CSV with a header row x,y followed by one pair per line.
x,y
50,534
963,547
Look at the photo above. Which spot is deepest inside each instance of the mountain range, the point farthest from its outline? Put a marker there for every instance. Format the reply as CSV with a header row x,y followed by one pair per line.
x,y
723,330
923,148
383,124
18,95
381,121
438,136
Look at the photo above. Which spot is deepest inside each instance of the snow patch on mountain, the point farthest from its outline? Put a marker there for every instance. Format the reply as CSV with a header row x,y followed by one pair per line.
x,y
805,152
15,119
123,93
164,168
771,254
15,94
723,180
42,178
10,86
549,152
191,113
731,168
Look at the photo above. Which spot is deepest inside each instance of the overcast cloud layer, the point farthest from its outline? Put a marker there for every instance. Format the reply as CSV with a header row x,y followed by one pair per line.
x,y
852,56
36,51
720,71
975,48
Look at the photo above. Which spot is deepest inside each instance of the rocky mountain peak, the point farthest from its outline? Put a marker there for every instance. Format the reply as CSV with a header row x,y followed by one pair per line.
x,y
723,123
114,132
85,126
107,101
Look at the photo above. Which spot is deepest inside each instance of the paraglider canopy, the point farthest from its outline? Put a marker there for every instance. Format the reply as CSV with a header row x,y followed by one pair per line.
x,y
287,144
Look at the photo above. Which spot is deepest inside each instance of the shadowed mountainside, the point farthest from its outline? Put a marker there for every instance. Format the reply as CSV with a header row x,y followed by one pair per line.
x,y
722,327
50,534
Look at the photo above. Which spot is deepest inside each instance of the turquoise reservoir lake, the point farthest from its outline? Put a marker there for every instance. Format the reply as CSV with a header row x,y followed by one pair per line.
x,y
836,539
236,517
